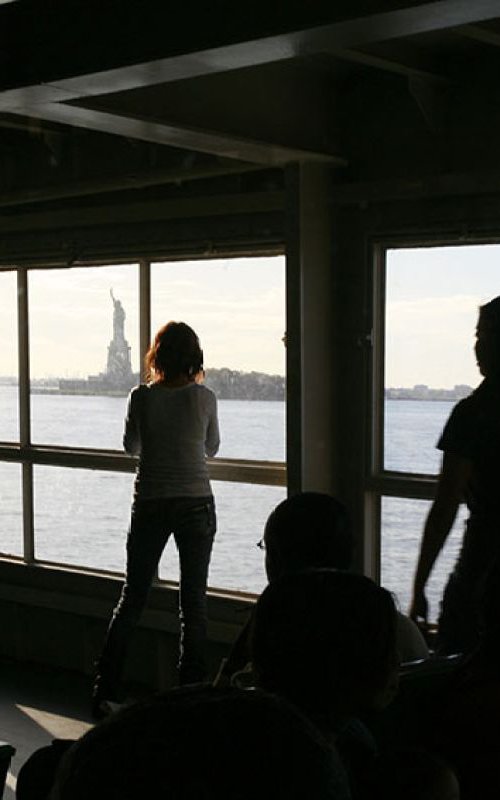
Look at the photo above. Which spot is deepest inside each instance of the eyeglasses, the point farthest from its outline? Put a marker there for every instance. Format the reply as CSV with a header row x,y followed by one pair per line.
x,y
261,544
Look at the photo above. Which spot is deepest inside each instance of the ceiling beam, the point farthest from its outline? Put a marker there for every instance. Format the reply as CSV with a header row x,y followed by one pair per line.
x,y
479,34
346,35
61,100
145,211
130,181
397,66
444,185
214,143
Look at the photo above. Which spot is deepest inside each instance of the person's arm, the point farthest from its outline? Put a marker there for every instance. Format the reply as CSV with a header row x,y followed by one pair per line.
x,y
212,438
131,435
455,473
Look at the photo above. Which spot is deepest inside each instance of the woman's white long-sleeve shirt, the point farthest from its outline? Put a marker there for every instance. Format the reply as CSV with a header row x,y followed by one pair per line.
x,y
172,430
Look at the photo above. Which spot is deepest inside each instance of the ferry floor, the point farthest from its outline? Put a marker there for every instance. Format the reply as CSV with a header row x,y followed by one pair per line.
x,y
38,704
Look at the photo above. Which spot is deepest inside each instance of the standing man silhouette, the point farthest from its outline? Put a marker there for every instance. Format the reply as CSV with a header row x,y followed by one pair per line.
x,y
470,472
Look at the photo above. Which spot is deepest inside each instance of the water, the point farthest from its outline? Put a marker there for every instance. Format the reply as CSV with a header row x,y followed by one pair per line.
x,y
81,516
412,429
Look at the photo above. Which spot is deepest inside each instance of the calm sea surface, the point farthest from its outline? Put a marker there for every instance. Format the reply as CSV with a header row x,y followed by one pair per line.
x,y
81,516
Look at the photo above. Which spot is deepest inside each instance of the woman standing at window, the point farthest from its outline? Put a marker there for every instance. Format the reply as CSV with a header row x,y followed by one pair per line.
x,y
171,425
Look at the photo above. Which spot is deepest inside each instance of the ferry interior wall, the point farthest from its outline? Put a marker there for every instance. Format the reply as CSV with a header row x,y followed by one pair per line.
x,y
324,132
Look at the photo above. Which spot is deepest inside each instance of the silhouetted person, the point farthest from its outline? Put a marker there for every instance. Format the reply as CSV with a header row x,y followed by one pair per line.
x,y
411,774
37,774
171,424
326,641
466,729
201,743
470,471
312,530
307,531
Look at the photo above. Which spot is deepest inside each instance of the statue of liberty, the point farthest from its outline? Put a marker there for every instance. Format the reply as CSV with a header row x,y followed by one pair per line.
x,y
118,319
119,368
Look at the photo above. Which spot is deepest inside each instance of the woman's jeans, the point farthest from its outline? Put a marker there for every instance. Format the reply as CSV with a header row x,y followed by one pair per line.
x,y
191,520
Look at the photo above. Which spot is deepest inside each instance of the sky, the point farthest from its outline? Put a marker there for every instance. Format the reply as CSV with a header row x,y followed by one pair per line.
x,y
237,307
432,300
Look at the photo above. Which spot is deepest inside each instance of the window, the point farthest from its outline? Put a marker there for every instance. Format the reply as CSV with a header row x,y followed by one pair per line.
x,y
432,297
237,308
11,530
81,517
237,562
75,397
9,407
87,329
402,524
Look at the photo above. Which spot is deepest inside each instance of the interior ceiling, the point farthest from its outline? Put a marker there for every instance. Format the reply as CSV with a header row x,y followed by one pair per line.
x,y
97,99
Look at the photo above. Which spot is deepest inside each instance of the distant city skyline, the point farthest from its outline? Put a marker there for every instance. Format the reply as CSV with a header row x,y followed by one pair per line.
x,y
237,306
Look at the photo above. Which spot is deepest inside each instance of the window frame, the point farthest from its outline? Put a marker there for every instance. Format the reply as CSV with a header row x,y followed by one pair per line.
x,y
380,482
24,452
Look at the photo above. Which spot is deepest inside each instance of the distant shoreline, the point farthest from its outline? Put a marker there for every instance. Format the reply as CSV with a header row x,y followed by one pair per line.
x,y
423,392
235,385
227,384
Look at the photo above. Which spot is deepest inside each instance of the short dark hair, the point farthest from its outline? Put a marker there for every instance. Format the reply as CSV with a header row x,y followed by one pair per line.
x,y
489,335
307,530
202,743
489,314
175,351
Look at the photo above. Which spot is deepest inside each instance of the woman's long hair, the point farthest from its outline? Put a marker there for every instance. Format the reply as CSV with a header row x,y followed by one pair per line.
x,y
175,351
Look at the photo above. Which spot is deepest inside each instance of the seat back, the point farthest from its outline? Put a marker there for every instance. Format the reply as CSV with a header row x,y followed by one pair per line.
x,y
6,753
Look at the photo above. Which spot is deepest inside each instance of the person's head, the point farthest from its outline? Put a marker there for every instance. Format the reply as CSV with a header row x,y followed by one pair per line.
x,y
202,743
308,530
175,352
488,338
326,640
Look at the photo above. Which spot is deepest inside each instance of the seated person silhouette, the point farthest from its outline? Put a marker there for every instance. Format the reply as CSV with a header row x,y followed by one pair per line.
x,y
312,530
412,774
326,641
203,743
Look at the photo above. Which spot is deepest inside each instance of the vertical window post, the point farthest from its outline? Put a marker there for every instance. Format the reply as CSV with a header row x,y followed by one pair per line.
x,y
144,311
372,542
24,413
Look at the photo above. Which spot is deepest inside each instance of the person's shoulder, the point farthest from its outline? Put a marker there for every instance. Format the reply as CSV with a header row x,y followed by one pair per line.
x,y
140,390
136,392
487,391
467,411
469,402
205,392
466,407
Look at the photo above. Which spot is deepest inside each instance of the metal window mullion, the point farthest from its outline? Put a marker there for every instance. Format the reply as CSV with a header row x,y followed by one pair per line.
x,y
373,505
24,413
378,364
145,328
144,311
